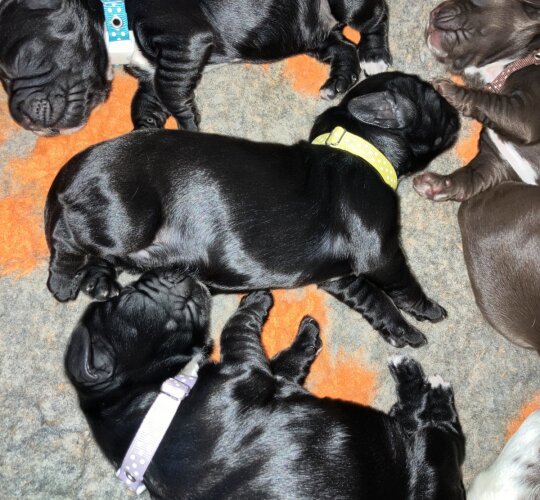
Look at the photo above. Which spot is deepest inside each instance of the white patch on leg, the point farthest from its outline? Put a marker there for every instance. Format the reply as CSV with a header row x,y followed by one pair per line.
x,y
397,359
374,67
437,381
527,172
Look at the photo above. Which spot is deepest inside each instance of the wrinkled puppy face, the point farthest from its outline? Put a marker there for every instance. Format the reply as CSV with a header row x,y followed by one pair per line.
x,y
403,114
53,64
144,335
474,33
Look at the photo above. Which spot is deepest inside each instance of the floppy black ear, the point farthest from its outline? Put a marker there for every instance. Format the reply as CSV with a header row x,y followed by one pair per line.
x,y
88,363
41,4
385,109
532,8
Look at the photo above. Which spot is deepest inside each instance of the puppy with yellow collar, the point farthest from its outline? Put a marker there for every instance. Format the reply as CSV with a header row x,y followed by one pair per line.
x,y
248,216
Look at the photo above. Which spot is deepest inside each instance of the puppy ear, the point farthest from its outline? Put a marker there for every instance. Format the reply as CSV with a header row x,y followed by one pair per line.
x,y
385,109
42,4
88,363
532,8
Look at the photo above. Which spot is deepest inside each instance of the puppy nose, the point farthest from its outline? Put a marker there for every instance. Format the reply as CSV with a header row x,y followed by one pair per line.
x,y
42,112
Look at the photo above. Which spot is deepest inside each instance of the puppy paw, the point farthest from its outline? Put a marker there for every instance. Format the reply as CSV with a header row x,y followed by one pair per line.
x,y
63,288
261,299
374,67
439,404
429,311
402,336
308,339
338,84
436,187
406,371
100,287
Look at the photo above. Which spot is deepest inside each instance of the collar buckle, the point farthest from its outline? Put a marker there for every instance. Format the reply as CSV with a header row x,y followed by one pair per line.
x,y
335,137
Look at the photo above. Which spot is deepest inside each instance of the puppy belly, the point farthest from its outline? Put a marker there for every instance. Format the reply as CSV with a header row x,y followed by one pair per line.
x,y
523,168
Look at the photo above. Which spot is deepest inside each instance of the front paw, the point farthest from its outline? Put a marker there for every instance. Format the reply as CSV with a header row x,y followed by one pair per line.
x,y
436,187
62,287
454,94
406,335
338,84
429,310
99,282
308,339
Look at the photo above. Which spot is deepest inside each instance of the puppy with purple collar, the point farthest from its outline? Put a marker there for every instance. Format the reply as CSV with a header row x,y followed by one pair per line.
x,y
245,427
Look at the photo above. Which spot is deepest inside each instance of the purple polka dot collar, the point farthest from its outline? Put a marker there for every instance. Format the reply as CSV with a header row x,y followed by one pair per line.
x,y
152,430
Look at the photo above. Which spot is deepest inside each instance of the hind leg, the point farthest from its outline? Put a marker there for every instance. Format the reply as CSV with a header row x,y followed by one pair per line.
x,y
397,280
411,387
377,308
371,20
344,65
294,362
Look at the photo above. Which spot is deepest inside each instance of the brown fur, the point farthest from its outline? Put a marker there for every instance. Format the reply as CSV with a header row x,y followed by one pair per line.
x,y
501,242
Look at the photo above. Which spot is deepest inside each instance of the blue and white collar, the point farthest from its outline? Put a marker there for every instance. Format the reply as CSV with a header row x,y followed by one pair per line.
x,y
119,39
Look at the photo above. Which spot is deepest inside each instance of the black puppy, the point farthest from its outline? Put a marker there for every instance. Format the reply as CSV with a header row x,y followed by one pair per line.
x,y
245,215
248,429
55,67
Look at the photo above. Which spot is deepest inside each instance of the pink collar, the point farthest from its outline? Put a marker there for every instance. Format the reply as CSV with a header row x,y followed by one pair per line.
x,y
496,85
152,430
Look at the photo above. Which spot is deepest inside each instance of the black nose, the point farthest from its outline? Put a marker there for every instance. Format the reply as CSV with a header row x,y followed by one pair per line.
x,y
42,111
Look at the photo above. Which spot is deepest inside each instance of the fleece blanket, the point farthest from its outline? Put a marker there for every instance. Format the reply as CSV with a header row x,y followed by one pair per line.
x,y
46,450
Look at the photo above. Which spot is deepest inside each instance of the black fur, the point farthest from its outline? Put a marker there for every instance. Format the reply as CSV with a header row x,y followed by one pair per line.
x,y
248,429
53,60
249,216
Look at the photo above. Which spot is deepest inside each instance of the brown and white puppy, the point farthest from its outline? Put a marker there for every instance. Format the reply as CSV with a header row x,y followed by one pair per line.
x,y
515,475
478,39
500,227
501,242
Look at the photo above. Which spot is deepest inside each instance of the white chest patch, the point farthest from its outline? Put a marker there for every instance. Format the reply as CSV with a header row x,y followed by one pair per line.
x,y
139,61
489,72
527,172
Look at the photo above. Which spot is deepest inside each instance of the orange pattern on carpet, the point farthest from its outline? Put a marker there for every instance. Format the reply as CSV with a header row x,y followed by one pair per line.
x,y
307,75
528,408
28,179
343,375
467,147
7,125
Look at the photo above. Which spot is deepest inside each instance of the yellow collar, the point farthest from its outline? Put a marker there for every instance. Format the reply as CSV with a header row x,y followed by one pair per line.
x,y
341,139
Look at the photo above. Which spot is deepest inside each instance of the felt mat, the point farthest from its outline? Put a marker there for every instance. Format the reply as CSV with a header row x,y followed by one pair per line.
x,y
46,450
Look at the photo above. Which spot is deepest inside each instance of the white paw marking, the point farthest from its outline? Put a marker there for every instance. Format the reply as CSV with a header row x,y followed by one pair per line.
x,y
527,172
437,381
397,359
374,67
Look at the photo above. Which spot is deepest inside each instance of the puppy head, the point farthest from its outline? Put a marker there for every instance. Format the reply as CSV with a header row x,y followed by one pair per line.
x,y
53,64
144,335
472,33
401,115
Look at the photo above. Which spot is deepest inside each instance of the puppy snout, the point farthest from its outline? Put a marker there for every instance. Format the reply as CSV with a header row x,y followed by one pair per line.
x,y
175,282
41,112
